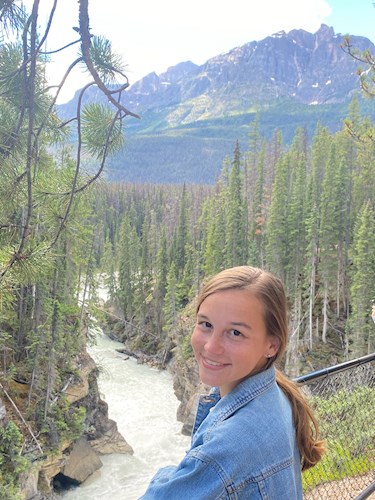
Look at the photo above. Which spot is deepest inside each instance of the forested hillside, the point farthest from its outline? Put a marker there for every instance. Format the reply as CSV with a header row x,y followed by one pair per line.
x,y
304,211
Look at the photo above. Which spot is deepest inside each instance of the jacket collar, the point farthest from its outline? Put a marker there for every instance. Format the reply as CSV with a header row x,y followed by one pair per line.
x,y
244,392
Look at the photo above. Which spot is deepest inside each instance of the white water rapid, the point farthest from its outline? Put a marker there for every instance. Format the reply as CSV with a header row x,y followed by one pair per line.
x,y
142,402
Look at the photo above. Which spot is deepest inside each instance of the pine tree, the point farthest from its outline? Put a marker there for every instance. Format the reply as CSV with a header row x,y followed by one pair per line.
x,y
171,301
144,276
332,232
181,235
108,266
128,268
251,163
277,227
364,173
161,281
296,213
320,149
214,234
213,225
256,239
361,328
235,237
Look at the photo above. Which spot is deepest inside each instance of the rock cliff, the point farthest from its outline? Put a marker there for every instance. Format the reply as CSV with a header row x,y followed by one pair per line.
x,y
74,462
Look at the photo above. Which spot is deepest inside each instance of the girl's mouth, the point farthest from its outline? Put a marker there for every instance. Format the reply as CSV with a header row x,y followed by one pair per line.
x,y
210,363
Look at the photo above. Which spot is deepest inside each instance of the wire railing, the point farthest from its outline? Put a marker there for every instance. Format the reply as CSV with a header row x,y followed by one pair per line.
x,y
343,397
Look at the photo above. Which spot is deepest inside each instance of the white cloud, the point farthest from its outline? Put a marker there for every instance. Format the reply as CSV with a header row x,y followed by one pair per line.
x,y
153,35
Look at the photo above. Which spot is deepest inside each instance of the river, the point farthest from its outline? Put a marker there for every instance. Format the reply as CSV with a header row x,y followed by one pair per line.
x,y
142,402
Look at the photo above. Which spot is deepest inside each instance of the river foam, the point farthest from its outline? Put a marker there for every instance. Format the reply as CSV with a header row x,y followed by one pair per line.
x,y
142,402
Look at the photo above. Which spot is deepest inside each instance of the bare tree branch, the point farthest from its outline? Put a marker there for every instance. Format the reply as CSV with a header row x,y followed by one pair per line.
x,y
86,43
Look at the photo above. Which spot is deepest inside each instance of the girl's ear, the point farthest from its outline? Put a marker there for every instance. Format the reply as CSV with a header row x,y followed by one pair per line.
x,y
274,345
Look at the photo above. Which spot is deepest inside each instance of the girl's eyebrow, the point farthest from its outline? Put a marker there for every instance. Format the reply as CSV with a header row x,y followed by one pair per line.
x,y
239,323
202,316
233,323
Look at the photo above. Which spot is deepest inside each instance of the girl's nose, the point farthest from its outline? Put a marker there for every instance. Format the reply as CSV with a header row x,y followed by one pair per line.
x,y
214,343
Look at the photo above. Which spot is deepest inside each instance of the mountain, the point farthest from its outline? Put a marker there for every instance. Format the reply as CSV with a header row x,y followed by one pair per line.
x,y
192,115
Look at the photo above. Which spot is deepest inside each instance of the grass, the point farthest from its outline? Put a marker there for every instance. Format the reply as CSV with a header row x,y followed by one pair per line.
x,y
327,471
337,464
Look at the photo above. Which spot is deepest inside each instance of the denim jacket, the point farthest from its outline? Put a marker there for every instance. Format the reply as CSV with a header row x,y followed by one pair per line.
x,y
243,448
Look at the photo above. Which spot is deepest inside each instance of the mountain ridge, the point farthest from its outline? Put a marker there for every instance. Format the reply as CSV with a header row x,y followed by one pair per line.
x,y
192,115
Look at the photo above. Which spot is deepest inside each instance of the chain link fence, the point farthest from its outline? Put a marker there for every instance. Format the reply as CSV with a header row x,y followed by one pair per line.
x,y
343,398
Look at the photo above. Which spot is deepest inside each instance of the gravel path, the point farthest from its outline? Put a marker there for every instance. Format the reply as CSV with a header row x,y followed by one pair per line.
x,y
346,489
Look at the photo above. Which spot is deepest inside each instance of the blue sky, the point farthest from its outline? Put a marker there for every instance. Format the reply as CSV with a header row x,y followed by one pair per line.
x,y
153,35
356,17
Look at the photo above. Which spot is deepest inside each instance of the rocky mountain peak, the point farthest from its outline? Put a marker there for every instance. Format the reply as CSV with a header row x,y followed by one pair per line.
x,y
190,111
311,68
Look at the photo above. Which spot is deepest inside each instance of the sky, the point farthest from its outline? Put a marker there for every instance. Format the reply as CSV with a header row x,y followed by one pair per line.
x,y
154,35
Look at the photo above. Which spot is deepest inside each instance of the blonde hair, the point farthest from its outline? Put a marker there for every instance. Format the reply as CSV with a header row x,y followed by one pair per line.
x,y
270,291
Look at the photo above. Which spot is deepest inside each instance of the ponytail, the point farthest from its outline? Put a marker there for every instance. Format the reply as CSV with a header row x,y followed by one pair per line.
x,y
307,430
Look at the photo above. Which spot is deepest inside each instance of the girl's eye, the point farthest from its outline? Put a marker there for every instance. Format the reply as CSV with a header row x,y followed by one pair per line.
x,y
205,324
235,333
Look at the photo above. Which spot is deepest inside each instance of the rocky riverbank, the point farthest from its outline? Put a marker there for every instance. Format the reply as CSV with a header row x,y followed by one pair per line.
x,y
73,462
175,355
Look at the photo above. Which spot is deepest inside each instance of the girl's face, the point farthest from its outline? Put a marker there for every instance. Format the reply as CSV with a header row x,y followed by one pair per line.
x,y
229,340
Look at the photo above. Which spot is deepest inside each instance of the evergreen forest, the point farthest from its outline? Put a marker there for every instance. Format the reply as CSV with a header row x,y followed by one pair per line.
x,y
305,211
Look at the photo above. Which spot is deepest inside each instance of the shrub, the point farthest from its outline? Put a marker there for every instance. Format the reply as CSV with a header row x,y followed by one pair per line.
x,y
346,423
12,463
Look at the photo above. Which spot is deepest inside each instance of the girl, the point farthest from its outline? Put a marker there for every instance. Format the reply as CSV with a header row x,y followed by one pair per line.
x,y
254,432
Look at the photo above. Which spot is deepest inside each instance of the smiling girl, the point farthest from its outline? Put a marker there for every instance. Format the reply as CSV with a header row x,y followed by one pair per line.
x,y
254,432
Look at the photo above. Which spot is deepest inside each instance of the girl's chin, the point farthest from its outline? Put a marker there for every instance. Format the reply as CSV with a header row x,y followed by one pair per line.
x,y
212,375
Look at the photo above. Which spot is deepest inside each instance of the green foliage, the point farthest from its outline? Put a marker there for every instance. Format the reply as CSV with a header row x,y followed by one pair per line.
x,y
13,18
128,266
65,422
101,132
48,226
10,58
213,231
171,302
150,142
346,423
235,215
108,64
336,465
277,228
10,492
36,260
12,463
363,282
348,410
186,348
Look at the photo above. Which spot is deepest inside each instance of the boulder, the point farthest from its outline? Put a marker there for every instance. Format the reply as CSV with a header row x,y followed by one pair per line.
x,y
82,461
103,434
110,441
29,484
